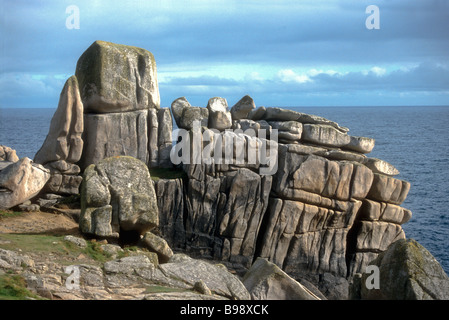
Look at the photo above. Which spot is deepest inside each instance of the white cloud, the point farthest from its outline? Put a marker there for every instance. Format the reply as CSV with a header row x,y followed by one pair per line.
x,y
253,76
315,72
378,71
288,75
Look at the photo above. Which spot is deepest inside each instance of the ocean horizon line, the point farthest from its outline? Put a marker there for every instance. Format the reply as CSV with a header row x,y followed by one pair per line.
x,y
277,106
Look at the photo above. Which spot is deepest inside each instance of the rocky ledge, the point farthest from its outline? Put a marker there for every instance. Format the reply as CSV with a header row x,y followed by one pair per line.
x,y
261,190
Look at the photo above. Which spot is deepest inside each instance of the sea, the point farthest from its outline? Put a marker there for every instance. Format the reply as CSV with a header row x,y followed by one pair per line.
x,y
414,139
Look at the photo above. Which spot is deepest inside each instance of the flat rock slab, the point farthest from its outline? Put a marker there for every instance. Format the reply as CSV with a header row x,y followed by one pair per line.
x,y
216,277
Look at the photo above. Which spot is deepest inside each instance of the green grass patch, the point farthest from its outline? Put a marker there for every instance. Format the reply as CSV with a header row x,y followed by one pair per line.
x,y
13,287
34,243
63,251
95,251
4,214
161,289
166,173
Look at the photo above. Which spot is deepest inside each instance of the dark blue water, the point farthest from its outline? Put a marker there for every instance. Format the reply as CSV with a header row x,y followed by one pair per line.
x,y
414,139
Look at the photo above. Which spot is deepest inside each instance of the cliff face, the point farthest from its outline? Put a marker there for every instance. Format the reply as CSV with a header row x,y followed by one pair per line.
x,y
325,207
294,188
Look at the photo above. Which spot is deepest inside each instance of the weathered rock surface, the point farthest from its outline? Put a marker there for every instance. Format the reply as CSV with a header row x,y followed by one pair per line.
x,y
303,238
158,245
165,139
380,166
8,154
219,116
266,281
177,108
360,144
185,114
117,78
325,135
224,211
122,115
216,277
407,272
192,114
319,208
388,189
137,276
311,223
280,114
11,260
319,181
4,164
115,134
118,194
20,182
63,145
242,108
170,195
64,140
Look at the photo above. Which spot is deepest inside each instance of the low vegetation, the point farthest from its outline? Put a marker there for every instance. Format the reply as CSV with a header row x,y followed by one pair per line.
x,y
4,214
13,287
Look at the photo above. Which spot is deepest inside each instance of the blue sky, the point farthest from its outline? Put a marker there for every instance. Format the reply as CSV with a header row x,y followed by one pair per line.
x,y
282,53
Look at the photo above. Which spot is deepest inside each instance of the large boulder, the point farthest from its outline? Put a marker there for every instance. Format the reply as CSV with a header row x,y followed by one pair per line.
x,y
118,195
158,245
219,115
266,281
407,271
119,90
117,78
242,108
8,154
194,114
64,140
21,181
378,225
177,108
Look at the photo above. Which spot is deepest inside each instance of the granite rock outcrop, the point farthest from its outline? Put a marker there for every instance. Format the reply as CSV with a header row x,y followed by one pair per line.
x,y
325,213
259,184
63,145
117,195
407,271
21,181
120,93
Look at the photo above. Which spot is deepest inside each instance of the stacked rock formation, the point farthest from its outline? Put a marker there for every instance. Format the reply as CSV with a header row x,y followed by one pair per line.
x,y
119,89
118,195
293,188
110,107
63,145
328,208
